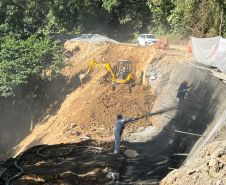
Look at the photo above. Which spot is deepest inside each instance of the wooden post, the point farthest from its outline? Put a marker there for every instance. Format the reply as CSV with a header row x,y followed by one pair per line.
x,y
172,168
221,21
169,158
181,154
189,133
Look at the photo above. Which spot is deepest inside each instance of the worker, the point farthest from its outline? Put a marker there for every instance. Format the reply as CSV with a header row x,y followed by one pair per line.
x,y
122,72
118,131
181,93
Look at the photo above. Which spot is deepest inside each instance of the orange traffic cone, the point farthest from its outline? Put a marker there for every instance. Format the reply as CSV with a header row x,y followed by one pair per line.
x,y
189,50
166,42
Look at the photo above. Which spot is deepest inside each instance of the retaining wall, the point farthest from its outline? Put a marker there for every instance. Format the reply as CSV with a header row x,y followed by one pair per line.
x,y
203,113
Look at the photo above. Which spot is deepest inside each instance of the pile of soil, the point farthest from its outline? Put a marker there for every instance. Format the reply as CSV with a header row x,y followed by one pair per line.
x,y
91,108
92,38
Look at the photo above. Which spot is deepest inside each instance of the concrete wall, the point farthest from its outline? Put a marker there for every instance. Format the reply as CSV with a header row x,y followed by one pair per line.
x,y
203,113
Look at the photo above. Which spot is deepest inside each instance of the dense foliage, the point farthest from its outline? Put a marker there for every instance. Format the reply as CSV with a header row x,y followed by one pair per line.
x,y
23,60
187,17
25,64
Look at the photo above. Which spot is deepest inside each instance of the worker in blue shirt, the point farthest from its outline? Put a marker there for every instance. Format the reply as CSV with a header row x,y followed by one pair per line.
x,y
181,92
119,129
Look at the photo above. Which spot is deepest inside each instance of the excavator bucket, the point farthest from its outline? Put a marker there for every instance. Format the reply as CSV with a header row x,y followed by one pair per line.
x,y
82,76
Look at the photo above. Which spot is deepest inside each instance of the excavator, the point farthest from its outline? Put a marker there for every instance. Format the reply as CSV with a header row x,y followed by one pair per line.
x,y
121,75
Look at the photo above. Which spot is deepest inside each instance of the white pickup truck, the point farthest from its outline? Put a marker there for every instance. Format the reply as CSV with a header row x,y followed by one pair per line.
x,y
146,39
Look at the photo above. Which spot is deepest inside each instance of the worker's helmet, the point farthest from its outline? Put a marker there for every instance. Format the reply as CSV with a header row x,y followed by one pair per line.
x,y
119,116
185,82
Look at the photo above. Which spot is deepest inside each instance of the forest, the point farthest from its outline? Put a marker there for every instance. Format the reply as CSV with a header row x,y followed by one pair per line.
x,y
28,59
199,18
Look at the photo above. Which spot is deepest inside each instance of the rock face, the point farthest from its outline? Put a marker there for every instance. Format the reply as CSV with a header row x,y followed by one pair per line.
x,y
153,73
207,169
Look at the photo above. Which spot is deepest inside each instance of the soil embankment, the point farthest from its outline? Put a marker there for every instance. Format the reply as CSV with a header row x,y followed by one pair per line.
x,y
90,109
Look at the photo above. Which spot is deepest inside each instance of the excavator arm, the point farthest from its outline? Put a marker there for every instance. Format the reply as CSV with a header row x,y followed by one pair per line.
x,y
105,65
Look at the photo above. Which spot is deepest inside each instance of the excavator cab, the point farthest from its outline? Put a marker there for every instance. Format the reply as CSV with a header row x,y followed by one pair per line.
x,y
123,68
123,74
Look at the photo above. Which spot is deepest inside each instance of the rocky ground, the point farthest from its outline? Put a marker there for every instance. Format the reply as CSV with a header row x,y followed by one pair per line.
x,y
208,168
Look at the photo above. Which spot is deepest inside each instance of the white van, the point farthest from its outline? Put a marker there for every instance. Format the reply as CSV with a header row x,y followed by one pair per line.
x,y
146,39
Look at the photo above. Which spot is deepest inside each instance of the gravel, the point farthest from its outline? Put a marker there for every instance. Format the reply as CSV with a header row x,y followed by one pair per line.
x,y
92,38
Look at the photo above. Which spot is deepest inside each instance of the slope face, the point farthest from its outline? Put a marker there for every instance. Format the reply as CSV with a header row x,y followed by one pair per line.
x,y
90,109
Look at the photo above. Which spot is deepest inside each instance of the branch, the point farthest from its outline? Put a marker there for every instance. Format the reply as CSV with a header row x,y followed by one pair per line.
x,y
38,102
25,103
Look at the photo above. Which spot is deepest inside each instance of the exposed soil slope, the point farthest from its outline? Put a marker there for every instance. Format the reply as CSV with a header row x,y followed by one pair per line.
x,y
90,109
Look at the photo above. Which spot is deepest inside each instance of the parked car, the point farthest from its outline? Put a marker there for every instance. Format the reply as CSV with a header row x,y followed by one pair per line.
x,y
146,39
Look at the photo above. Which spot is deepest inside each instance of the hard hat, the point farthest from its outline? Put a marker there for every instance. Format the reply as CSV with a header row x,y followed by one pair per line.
x,y
185,82
119,116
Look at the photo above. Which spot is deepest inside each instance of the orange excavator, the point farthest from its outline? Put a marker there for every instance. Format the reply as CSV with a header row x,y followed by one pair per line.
x,y
121,75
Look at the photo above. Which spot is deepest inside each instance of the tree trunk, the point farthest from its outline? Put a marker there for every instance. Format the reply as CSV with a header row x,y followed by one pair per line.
x,y
221,21
31,124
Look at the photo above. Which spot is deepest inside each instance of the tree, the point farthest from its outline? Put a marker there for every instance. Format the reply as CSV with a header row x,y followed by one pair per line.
x,y
36,12
11,14
161,10
132,13
65,15
25,64
206,21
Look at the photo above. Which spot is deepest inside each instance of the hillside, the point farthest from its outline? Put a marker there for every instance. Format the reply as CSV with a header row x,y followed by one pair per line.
x,y
88,111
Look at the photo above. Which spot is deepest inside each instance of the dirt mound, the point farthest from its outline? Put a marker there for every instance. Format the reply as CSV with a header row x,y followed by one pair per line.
x,y
91,108
92,38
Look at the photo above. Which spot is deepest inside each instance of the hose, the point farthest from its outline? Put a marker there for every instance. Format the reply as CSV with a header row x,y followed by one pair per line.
x,y
38,153
17,166
147,115
71,149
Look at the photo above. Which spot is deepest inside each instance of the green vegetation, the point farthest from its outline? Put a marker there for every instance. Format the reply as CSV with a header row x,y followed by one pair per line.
x,y
25,65
113,17
22,60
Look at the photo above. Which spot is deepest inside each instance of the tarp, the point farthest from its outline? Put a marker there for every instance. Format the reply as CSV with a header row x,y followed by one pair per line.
x,y
210,51
204,50
221,55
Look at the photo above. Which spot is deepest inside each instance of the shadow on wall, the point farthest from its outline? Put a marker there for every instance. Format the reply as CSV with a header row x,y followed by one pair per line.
x,y
198,113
